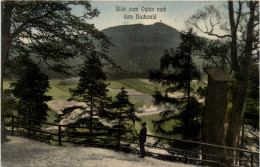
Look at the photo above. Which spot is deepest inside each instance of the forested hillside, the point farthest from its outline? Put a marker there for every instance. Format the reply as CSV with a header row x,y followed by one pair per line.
x,y
138,47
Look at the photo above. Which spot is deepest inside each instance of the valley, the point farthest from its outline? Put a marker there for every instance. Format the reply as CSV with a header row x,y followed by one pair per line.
x,y
139,90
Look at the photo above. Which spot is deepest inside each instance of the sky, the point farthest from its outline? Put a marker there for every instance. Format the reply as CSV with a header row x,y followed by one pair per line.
x,y
177,12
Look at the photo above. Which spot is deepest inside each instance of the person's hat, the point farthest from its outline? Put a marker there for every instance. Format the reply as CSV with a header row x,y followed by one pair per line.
x,y
144,124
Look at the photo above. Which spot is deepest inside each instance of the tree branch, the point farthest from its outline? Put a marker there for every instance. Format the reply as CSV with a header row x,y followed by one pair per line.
x,y
239,14
25,24
219,36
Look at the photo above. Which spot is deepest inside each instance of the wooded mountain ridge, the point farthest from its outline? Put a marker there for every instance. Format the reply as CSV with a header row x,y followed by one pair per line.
x,y
137,48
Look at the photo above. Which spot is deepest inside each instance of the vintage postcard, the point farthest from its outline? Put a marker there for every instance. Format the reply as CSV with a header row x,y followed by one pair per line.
x,y
129,83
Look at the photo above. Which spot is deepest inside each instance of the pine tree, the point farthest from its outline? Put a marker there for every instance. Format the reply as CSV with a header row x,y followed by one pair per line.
x,y
177,71
91,90
123,113
51,33
30,91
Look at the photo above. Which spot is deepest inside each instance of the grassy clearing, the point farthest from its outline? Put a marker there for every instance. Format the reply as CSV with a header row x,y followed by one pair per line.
x,y
57,91
150,125
141,86
60,91
137,103
136,84
66,88
116,85
51,118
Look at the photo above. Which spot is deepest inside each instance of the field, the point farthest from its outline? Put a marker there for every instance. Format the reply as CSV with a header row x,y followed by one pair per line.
x,y
136,84
60,91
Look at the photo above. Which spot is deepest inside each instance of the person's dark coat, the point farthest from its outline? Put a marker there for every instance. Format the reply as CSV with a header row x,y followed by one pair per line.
x,y
142,140
142,136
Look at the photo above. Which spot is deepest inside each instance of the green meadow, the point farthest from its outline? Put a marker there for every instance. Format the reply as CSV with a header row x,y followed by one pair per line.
x,y
60,91
136,84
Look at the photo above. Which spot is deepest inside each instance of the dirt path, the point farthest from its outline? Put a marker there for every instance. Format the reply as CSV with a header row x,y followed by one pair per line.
x,y
22,152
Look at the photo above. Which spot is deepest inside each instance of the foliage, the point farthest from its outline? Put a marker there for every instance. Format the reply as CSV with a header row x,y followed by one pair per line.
x,y
51,33
122,116
251,111
10,103
29,91
176,72
214,52
92,90
250,118
123,111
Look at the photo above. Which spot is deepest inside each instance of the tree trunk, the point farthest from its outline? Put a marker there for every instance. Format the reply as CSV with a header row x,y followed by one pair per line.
x,y
91,115
234,126
242,143
234,48
119,135
6,14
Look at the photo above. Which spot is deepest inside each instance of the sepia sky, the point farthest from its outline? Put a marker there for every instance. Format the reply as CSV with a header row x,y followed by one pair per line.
x,y
177,12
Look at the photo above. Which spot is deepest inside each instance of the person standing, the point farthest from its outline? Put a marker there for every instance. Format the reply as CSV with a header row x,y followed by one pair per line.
x,y
142,139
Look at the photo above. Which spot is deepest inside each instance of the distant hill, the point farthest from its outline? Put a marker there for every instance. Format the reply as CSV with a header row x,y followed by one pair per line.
x,y
138,47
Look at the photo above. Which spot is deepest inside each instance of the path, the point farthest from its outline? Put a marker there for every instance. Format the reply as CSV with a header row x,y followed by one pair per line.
x,y
22,152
